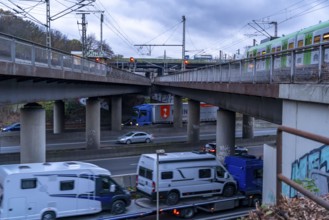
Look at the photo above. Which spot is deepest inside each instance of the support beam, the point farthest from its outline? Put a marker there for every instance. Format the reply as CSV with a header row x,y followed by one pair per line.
x,y
178,112
33,134
59,117
225,133
93,123
116,113
193,124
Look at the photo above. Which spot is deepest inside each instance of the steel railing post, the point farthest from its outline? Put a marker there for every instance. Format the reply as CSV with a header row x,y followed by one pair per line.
x,y
320,62
293,65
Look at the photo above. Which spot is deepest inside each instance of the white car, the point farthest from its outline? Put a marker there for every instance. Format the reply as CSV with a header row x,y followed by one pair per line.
x,y
135,137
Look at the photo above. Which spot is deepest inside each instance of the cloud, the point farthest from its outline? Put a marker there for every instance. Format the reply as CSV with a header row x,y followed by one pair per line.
x,y
211,25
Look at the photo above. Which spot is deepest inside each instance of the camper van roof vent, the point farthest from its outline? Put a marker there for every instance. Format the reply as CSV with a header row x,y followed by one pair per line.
x,y
24,167
72,164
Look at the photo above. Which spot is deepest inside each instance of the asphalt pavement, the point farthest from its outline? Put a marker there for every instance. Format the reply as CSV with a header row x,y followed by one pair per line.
x,y
110,150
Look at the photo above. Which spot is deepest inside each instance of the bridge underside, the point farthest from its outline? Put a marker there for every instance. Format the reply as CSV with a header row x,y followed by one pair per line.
x,y
266,108
15,90
26,82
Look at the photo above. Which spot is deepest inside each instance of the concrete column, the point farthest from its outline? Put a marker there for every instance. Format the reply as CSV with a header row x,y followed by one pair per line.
x,y
193,124
116,113
59,117
225,133
93,126
33,134
247,126
178,115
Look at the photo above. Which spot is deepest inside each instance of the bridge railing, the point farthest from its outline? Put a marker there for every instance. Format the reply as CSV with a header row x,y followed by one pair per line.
x,y
19,51
298,65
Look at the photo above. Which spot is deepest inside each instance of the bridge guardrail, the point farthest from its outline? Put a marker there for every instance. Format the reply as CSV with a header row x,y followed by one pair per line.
x,y
15,50
287,66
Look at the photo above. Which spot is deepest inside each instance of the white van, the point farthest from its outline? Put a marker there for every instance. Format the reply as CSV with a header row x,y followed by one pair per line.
x,y
58,189
183,175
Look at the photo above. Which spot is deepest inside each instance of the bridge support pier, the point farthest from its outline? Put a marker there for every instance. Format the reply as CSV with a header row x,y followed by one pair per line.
x,y
193,124
93,123
247,126
225,133
116,113
59,116
178,107
33,134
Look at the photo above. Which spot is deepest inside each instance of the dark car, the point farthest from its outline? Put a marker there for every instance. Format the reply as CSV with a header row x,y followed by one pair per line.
x,y
211,148
12,127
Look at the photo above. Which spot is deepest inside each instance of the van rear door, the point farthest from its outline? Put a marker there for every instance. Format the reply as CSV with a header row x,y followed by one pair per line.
x,y
145,180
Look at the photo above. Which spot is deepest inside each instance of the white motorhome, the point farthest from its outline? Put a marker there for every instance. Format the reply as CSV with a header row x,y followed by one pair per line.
x,y
183,175
58,189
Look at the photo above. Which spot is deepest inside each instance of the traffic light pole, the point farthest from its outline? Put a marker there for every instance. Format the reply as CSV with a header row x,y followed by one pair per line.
x,y
172,45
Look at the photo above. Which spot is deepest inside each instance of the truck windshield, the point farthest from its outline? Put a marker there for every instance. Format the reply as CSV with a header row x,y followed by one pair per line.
x,y
135,113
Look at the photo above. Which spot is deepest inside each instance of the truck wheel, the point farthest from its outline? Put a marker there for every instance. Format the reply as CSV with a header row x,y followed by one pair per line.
x,y
256,200
187,212
48,216
147,140
172,198
228,191
128,142
118,207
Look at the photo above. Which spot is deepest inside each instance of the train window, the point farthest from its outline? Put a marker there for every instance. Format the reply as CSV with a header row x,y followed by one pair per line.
x,y
326,37
317,39
291,45
278,49
300,43
273,50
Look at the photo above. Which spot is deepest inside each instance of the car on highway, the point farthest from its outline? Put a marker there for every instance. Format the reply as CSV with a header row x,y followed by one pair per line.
x,y
12,127
135,137
211,148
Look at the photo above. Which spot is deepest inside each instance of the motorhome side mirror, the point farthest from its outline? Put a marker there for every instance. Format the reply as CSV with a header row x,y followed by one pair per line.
x,y
112,188
226,175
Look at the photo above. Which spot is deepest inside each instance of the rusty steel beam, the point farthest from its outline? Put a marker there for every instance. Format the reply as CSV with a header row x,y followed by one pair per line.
x,y
291,183
304,191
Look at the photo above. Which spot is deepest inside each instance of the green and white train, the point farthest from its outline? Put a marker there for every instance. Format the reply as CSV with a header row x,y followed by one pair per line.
x,y
314,35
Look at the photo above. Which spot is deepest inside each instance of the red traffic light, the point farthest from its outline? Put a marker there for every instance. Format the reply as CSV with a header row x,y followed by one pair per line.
x,y
97,59
131,60
185,62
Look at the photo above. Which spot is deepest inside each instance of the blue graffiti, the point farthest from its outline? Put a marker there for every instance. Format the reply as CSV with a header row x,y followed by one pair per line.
x,y
313,165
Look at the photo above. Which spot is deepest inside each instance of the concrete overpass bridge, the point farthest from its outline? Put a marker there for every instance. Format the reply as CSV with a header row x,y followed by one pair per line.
x,y
31,73
294,95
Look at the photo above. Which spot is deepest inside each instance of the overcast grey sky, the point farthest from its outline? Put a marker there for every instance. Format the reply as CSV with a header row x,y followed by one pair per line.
x,y
211,25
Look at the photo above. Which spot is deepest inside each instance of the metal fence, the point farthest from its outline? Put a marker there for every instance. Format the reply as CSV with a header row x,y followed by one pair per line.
x,y
19,51
299,65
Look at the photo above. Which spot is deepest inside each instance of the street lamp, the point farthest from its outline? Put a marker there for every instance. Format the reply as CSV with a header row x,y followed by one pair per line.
x,y
158,152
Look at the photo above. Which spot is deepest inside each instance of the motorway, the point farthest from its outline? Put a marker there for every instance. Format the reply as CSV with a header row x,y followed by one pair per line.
x,y
9,142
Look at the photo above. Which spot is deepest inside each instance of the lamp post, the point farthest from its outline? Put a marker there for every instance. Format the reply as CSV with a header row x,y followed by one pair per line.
x,y
158,152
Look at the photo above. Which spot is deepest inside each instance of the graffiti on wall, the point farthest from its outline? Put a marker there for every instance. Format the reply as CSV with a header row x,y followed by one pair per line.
x,y
313,165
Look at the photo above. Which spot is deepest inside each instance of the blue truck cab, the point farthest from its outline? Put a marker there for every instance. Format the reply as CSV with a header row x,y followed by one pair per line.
x,y
142,115
248,172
